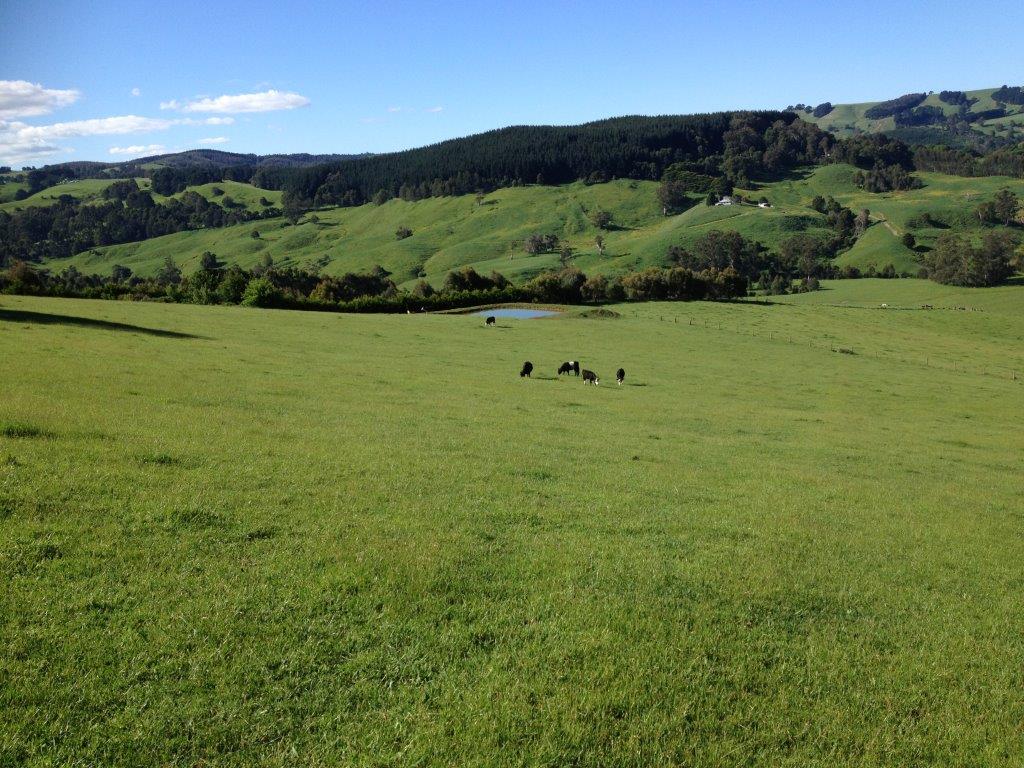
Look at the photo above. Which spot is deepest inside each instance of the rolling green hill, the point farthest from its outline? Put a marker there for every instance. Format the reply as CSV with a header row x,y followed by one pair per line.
x,y
84,190
90,190
848,119
450,232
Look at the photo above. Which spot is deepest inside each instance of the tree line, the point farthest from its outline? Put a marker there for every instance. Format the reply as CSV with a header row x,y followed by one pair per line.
x,y
292,288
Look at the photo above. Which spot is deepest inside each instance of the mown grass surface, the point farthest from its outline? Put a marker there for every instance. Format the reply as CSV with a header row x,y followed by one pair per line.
x,y
276,538
454,231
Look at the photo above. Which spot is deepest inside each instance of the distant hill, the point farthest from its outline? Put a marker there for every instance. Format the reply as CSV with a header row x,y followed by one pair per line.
x,y
980,119
215,158
192,159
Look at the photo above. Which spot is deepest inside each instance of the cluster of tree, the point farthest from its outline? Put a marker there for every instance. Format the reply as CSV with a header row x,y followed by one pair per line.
x,y
270,286
801,261
959,162
720,250
868,150
754,152
538,243
823,109
1002,209
1009,94
956,261
846,225
741,145
983,115
69,226
893,106
886,178
955,98
928,115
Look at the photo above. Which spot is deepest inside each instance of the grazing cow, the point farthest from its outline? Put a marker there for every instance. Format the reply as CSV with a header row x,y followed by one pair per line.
x,y
620,375
527,370
572,366
490,320
589,377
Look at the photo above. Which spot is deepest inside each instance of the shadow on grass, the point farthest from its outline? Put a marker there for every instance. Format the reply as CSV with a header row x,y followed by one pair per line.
x,y
44,318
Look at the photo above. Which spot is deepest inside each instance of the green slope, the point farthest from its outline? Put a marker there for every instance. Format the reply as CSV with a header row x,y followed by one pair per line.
x,y
9,188
455,231
847,119
245,194
85,190
90,190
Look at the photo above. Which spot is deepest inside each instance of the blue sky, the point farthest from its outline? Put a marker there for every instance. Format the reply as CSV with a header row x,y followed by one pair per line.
x,y
103,81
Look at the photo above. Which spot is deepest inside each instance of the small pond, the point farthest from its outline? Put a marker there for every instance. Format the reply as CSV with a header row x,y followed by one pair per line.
x,y
519,314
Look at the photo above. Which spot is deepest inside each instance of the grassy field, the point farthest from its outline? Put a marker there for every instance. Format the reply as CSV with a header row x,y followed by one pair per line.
x,y
847,119
85,190
10,188
245,537
455,231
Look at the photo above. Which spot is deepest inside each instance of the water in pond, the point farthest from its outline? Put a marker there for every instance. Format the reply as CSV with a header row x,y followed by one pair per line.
x,y
520,314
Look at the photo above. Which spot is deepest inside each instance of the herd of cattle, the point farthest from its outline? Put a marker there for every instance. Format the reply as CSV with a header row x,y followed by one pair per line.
x,y
570,366
573,367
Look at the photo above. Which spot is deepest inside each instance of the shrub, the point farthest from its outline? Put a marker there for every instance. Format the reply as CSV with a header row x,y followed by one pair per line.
x,y
260,292
403,232
422,290
601,219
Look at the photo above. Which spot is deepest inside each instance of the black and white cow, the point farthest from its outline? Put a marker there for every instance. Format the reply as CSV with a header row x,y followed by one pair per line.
x,y
572,366
589,377
620,375
527,370
490,320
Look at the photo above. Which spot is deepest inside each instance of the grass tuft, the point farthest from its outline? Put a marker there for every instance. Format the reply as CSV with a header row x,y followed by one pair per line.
x,y
23,431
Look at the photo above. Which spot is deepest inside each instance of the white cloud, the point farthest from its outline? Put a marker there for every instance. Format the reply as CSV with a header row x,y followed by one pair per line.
x,y
17,151
266,101
97,126
138,149
219,121
20,141
136,92
435,109
214,140
20,98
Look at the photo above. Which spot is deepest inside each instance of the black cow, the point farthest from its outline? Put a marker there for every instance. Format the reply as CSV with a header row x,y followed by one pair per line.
x,y
490,320
572,366
589,377
527,370
620,375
